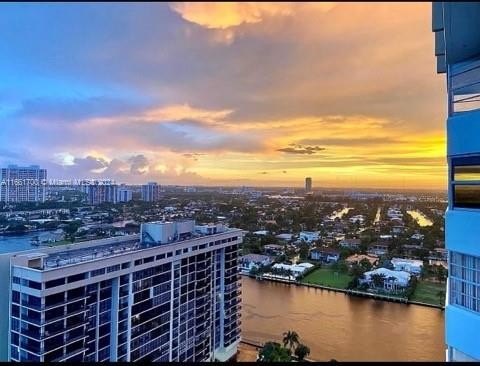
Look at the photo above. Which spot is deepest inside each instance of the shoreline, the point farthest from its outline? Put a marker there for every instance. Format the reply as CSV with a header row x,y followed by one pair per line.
x,y
350,292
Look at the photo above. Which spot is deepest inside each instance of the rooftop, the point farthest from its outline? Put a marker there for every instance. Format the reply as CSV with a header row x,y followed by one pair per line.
x,y
103,248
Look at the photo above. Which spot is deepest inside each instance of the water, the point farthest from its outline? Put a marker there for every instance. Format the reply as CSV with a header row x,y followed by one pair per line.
x,y
420,218
340,213
377,215
12,243
346,328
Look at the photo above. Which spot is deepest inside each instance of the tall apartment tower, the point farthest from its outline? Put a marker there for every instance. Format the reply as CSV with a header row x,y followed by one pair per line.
x,y
308,184
98,193
150,192
23,184
124,194
170,293
457,47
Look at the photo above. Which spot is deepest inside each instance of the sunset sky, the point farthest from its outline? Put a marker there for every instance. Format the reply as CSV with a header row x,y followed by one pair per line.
x,y
224,93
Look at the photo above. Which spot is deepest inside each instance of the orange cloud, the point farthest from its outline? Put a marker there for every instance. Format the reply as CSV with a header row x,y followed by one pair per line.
x,y
223,15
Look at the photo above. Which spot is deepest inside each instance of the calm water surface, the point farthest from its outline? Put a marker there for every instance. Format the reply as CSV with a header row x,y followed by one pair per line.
x,y
12,243
339,326
420,218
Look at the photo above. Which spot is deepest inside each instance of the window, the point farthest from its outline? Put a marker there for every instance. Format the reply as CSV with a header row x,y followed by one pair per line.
x,y
75,278
465,281
465,177
125,265
97,272
113,268
55,283
160,256
138,262
148,260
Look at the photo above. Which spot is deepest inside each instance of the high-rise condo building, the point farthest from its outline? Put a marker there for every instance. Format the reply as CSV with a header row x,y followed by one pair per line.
x,y
308,184
170,293
100,192
23,184
457,47
150,192
124,194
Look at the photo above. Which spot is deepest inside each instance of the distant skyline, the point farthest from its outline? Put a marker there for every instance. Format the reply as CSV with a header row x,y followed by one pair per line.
x,y
257,94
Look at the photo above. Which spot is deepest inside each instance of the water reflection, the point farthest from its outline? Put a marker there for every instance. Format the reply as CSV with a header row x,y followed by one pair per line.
x,y
339,326
420,218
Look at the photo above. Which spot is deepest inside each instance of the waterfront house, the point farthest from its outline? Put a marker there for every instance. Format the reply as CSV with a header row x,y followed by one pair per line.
x,y
251,261
325,254
392,280
296,269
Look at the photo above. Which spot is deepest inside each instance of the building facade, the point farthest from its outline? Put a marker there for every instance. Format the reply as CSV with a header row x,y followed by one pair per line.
x,y
124,194
457,48
308,184
23,184
97,193
150,192
132,298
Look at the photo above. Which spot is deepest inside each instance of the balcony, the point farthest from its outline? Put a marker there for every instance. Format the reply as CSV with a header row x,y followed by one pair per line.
x,y
68,355
464,87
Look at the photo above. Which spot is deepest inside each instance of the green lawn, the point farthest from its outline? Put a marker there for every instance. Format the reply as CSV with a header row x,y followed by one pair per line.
x,y
428,292
328,277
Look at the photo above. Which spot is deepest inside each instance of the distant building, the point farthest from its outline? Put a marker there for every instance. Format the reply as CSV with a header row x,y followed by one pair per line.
x,y
357,258
351,243
357,219
100,193
309,236
261,232
273,249
23,184
124,194
150,192
284,236
378,248
412,266
251,261
325,254
308,184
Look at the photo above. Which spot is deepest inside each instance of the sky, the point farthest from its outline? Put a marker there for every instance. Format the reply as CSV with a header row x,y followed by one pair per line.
x,y
260,94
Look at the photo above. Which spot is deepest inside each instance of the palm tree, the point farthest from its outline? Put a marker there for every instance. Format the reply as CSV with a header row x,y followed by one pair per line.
x,y
290,339
302,351
273,352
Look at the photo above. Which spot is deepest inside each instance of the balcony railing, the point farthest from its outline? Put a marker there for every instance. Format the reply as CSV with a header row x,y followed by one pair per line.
x,y
463,87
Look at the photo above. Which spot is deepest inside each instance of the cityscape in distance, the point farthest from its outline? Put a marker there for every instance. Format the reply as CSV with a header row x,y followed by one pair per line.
x,y
239,182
